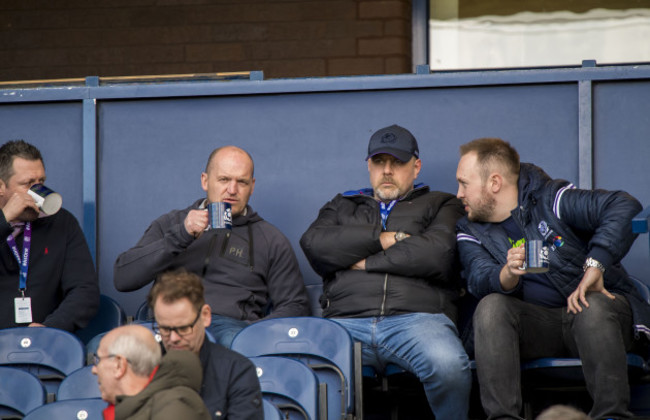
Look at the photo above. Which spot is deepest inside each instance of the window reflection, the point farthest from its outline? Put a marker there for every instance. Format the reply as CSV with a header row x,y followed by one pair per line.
x,y
469,35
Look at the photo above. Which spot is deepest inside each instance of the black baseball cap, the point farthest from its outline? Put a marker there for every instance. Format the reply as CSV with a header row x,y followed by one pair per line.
x,y
396,141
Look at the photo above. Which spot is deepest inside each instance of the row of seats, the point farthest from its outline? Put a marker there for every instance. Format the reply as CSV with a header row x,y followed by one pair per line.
x,y
44,377
41,365
308,367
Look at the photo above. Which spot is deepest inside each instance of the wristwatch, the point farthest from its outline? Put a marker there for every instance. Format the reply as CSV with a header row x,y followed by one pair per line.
x,y
590,262
400,236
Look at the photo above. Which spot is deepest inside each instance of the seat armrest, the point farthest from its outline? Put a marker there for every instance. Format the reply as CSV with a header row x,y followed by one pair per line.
x,y
641,221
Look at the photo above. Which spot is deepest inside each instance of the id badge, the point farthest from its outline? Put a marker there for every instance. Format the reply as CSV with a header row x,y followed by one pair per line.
x,y
23,306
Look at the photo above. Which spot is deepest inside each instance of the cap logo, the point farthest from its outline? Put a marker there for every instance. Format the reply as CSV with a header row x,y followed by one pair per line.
x,y
388,138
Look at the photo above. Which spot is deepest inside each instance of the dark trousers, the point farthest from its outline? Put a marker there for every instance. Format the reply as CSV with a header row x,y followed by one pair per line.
x,y
508,330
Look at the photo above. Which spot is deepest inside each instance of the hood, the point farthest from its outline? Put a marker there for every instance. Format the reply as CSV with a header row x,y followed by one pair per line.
x,y
531,179
178,368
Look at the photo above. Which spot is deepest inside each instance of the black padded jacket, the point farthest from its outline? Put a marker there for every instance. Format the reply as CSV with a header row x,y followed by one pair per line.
x,y
592,223
417,274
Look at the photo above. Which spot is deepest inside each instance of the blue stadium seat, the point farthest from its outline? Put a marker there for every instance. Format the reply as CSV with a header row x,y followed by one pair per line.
x,y
325,346
20,392
82,409
641,222
109,315
49,353
79,384
271,411
143,313
290,384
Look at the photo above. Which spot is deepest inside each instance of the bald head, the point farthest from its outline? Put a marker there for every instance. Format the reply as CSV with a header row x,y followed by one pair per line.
x,y
228,177
229,152
137,345
124,361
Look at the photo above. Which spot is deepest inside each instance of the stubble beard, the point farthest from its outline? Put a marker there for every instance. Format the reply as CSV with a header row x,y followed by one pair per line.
x,y
28,215
483,210
389,194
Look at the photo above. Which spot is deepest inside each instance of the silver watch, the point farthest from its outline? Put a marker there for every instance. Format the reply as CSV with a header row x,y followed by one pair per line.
x,y
400,236
590,262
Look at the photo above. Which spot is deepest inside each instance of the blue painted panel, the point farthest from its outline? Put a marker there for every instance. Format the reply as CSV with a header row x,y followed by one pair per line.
x,y
309,137
56,130
307,148
622,151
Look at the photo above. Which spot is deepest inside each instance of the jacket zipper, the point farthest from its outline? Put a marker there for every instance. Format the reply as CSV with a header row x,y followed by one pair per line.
x,y
383,301
225,244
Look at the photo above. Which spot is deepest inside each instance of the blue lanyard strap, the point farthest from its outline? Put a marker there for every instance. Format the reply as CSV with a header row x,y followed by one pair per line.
x,y
385,211
24,261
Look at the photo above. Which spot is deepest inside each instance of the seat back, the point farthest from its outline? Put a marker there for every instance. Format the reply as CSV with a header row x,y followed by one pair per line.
x,y
109,315
641,222
48,353
322,344
290,384
79,384
271,411
20,392
87,408
143,313
642,288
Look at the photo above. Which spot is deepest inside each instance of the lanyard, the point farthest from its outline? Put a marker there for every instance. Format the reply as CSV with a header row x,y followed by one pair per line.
x,y
385,211
24,261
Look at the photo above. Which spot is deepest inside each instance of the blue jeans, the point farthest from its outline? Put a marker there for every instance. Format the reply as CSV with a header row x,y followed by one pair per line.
x,y
426,345
224,329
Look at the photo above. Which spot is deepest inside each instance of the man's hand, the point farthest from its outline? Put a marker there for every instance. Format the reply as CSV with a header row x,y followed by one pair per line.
x,y
360,265
387,239
592,281
17,204
195,222
36,324
510,272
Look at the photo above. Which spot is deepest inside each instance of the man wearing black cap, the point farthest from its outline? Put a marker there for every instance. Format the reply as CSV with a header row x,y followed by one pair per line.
x,y
387,256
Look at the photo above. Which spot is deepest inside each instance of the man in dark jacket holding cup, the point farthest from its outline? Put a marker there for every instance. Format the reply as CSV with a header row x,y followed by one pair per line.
x,y
584,305
244,269
47,276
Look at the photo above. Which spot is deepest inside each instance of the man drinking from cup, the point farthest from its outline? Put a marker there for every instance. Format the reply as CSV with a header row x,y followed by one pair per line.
x,y
244,269
581,306
47,277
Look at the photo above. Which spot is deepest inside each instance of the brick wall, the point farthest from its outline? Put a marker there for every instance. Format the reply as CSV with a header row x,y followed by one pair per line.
x,y
41,39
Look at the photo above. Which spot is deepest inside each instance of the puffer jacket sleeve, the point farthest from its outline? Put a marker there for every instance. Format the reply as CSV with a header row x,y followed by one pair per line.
x,y
606,215
330,246
480,268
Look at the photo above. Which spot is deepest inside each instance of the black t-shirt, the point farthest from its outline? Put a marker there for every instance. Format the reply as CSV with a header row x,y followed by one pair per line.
x,y
536,288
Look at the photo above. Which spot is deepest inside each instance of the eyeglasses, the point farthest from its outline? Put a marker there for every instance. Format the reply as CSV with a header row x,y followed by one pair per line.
x,y
97,359
182,330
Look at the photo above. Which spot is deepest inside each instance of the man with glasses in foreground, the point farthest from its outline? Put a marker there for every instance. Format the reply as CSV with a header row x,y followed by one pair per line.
x,y
140,384
230,386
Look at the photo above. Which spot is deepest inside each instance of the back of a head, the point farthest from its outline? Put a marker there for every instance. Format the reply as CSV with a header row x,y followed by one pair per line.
x,y
562,412
172,286
138,346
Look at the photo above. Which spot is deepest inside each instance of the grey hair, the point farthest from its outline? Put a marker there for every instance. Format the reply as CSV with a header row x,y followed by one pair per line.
x,y
141,355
